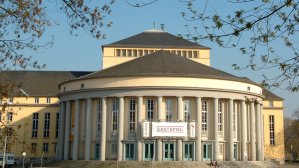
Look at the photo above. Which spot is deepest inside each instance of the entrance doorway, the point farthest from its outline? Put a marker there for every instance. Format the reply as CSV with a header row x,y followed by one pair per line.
x,y
207,152
189,152
129,151
148,151
235,152
168,151
97,151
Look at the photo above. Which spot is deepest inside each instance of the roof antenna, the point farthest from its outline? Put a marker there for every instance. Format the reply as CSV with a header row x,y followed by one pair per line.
x,y
154,25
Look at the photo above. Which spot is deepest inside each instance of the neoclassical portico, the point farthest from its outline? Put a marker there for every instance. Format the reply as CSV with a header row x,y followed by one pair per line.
x,y
139,143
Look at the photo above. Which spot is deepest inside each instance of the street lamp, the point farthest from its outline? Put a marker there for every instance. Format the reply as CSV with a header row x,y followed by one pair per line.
x,y
23,154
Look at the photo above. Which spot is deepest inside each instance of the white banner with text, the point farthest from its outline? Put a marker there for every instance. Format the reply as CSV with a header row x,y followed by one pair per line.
x,y
169,129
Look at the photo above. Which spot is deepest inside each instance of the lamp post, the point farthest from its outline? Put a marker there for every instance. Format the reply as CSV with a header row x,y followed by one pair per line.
x,y
292,152
24,154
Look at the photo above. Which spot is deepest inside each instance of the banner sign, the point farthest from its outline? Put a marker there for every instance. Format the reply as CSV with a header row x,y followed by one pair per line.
x,y
192,129
146,129
169,129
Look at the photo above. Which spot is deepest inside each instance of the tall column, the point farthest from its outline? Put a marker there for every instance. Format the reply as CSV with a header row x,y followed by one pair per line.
x,y
216,138
139,126
198,129
121,117
258,133
262,132
243,131
67,132
181,118
76,130
252,132
103,128
159,117
88,129
230,130
61,131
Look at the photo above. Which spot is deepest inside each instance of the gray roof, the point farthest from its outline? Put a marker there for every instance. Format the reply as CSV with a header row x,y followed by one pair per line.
x,y
270,96
164,63
155,39
40,83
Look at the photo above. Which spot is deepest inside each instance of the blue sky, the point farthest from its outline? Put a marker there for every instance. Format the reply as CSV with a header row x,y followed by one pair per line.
x,y
84,53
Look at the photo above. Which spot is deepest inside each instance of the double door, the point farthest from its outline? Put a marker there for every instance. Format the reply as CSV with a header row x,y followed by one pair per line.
x,y
168,151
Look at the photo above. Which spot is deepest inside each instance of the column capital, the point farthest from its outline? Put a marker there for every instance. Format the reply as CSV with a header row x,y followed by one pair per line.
x,y
159,96
139,95
179,96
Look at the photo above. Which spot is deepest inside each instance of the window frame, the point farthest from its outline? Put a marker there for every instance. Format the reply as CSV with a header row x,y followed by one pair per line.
x,y
132,116
57,125
204,117
115,110
48,100
220,118
169,109
99,118
150,109
187,110
36,100
47,121
34,133
45,147
9,117
272,130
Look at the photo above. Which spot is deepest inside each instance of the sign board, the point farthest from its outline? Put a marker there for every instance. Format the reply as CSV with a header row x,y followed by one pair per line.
x,y
192,129
146,129
169,129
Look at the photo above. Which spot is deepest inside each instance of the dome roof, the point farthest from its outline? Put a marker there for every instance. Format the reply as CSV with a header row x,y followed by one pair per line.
x,y
163,63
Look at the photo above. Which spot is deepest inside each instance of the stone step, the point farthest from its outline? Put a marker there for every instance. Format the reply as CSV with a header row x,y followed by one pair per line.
x,y
157,164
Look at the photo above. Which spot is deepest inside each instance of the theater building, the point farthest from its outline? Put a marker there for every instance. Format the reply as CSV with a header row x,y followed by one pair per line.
x,y
156,99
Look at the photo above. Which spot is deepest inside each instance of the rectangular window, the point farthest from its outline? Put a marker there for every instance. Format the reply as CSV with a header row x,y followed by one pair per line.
x,y
130,53
36,100
168,110
150,109
8,146
124,53
204,118
187,110
45,147
132,113
34,125
151,51
220,125
99,116
184,54
33,147
47,125
140,53
114,116
179,53
272,133
113,148
194,54
57,125
9,131
145,52
48,100
9,117
271,103
10,100
1,99
189,54
135,53
117,52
